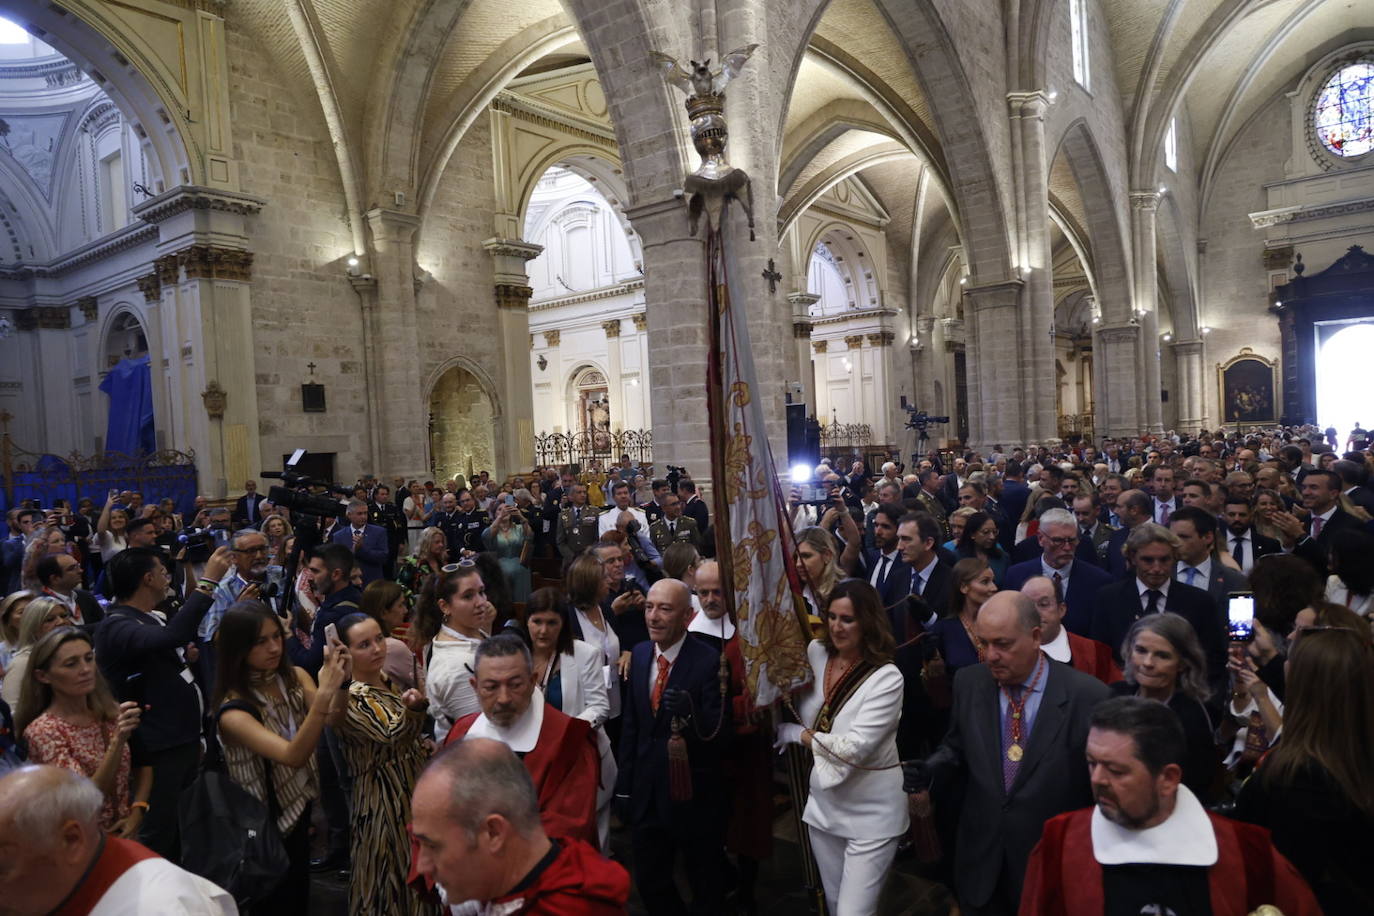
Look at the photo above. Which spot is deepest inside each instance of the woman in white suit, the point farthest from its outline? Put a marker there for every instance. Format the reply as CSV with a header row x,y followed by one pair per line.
x,y
571,675
849,722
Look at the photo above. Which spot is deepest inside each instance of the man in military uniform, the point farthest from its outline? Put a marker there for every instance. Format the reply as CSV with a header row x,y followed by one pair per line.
x,y
472,521
382,511
653,511
445,517
577,525
930,498
673,526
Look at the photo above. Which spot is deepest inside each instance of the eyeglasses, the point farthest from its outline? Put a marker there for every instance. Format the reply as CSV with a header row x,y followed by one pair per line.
x,y
261,548
465,563
1062,542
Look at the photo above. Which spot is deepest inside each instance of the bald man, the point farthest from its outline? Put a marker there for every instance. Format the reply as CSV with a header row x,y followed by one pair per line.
x,y
475,818
674,688
57,859
1017,731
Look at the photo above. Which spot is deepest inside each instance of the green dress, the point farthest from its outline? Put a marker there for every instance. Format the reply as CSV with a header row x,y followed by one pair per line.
x,y
380,739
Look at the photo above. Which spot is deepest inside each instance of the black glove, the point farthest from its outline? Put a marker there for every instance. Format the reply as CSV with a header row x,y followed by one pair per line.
x,y
677,701
620,807
915,776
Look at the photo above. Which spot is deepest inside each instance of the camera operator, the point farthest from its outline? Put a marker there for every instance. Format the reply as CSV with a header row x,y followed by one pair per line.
x,y
144,657
622,516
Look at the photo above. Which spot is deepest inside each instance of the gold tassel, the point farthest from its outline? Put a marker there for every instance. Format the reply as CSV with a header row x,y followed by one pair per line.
x,y
679,769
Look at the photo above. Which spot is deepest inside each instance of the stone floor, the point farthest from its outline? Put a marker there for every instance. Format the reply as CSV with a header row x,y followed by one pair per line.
x,y
780,891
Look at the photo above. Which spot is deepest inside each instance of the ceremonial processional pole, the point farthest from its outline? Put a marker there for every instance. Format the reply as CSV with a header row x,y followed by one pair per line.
x,y
755,546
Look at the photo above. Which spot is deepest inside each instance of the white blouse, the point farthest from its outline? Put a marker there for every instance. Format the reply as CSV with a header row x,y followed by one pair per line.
x,y
607,644
448,682
845,801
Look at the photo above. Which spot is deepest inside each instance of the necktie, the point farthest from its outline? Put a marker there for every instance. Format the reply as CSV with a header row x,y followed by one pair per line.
x,y
882,574
1164,513
252,509
660,682
1317,523
1058,587
1012,737
1191,573
1152,604
1238,550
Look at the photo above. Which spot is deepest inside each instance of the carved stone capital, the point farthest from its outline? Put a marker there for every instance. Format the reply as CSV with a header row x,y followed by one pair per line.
x,y
855,341
552,338
166,267
90,308
52,318
210,262
1028,104
216,399
150,285
881,339
192,197
801,330
25,320
820,346
513,296
641,322
612,327
513,248
1144,200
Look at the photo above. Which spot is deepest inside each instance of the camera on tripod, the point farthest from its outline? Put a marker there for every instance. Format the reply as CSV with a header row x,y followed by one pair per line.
x,y
295,495
675,474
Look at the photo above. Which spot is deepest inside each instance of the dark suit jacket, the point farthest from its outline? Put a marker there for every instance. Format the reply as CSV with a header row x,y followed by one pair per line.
x,y
1014,496
997,826
644,738
371,554
1362,497
1317,551
936,594
1219,586
1119,605
1113,556
1084,582
240,514
91,611
894,585
1259,544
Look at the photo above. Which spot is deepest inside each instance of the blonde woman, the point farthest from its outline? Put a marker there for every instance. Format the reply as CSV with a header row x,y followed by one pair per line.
x,y
41,617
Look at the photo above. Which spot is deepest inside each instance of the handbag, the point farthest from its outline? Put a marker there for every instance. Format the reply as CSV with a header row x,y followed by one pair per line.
x,y
228,836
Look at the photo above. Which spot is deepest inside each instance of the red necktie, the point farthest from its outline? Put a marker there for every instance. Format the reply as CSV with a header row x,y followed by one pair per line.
x,y
1317,523
660,682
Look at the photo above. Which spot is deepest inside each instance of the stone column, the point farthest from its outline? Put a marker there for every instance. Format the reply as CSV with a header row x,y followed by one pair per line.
x,y
997,379
1188,355
395,336
1144,206
1118,408
881,353
1040,421
615,380
366,288
924,363
515,430
202,277
675,297
801,341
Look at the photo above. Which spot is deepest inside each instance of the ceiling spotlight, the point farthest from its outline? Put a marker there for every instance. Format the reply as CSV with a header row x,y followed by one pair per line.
x,y
1054,94
963,280
1163,190
1097,319
1205,330
1167,336
1277,304
352,262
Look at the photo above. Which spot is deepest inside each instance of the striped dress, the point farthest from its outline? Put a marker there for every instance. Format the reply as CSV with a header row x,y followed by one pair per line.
x,y
380,739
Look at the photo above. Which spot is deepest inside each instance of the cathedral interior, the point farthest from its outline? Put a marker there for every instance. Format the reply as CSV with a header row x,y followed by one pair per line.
x,y
419,237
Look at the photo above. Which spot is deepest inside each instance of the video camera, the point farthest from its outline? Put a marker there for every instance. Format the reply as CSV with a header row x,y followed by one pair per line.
x,y
295,495
675,474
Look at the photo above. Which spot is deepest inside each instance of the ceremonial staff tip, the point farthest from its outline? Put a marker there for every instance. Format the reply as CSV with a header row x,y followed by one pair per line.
x,y
715,181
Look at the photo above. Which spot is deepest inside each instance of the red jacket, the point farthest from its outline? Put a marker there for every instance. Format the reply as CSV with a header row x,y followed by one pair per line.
x,y
1093,657
1063,878
578,882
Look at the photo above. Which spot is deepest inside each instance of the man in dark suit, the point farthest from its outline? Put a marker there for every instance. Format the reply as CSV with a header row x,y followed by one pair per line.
x,y
882,564
694,507
248,507
928,578
1059,561
1133,508
59,575
1017,733
1091,529
1321,493
1014,491
1165,503
1243,542
1353,478
1200,566
368,542
673,680
1153,552
949,486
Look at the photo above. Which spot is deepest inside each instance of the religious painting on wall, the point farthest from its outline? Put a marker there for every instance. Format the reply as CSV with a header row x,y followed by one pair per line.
x,y
1248,388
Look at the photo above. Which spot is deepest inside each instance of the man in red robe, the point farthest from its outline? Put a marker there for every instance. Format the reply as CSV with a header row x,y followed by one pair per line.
x,y
559,751
478,834
57,860
1087,655
1149,846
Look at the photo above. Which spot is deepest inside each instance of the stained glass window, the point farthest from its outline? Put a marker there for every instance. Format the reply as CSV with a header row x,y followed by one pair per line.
x,y
1344,115
1078,37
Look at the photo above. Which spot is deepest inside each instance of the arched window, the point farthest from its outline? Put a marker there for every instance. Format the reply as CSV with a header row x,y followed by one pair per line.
x,y
826,280
1344,112
1171,146
1078,35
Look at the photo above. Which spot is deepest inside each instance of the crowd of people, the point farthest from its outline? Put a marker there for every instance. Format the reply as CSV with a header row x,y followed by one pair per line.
x,y
1057,679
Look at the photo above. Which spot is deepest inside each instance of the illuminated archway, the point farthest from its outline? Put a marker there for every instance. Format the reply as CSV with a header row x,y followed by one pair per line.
x,y
1343,374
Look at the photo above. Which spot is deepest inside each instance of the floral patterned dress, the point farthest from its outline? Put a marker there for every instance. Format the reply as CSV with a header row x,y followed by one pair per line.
x,y
81,748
